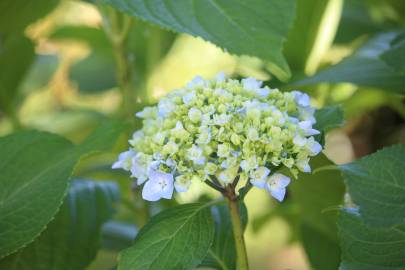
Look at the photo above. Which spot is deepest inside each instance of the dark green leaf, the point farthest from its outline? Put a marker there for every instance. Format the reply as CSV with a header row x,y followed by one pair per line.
x,y
256,28
376,184
222,252
72,239
364,68
328,118
395,56
16,57
314,29
318,197
17,14
368,248
35,168
177,238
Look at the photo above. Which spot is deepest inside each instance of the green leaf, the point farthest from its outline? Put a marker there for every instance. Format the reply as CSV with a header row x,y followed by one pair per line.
x,y
256,28
17,14
177,238
376,184
369,248
222,254
329,117
364,68
16,57
395,56
318,197
314,29
72,239
36,167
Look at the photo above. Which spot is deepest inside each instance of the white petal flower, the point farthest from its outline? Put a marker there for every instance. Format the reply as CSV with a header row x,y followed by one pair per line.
x,y
182,183
205,135
147,112
124,160
195,154
303,165
189,97
306,127
140,167
301,98
221,119
165,107
159,185
198,81
276,185
194,115
299,140
307,114
249,164
220,77
251,83
227,176
313,147
258,177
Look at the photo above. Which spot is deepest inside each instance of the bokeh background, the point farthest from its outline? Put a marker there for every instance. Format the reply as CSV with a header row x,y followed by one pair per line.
x,y
69,86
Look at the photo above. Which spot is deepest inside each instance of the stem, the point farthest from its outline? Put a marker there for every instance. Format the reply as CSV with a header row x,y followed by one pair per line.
x,y
117,29
242,260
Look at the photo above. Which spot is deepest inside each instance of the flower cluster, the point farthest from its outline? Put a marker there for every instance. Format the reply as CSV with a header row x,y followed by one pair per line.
x,y
218,131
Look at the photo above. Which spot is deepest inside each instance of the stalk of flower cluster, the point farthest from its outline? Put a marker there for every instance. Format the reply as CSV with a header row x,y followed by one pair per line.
x,y
237,227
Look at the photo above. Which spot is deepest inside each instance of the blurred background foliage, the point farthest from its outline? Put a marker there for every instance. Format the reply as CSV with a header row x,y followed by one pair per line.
x,y
58,73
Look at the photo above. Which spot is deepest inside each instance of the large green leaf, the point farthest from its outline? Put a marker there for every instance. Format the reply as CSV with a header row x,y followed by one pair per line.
x,y
177,238
222,254
369,248
364,68
318,197
35,169
314,29
376,184
256,28
16,57
72,239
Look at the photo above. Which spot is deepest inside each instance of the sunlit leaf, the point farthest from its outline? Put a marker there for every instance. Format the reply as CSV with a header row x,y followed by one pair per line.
x,y
256,28
314,29
364,68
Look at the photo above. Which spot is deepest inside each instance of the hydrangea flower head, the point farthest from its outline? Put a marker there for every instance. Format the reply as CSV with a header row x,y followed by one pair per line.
x,y
218,131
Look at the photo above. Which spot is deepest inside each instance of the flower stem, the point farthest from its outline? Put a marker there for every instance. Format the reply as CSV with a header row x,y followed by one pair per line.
x,y
241,260
117,27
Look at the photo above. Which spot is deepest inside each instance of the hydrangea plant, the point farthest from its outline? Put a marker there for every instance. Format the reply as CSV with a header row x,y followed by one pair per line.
x,y
222,132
